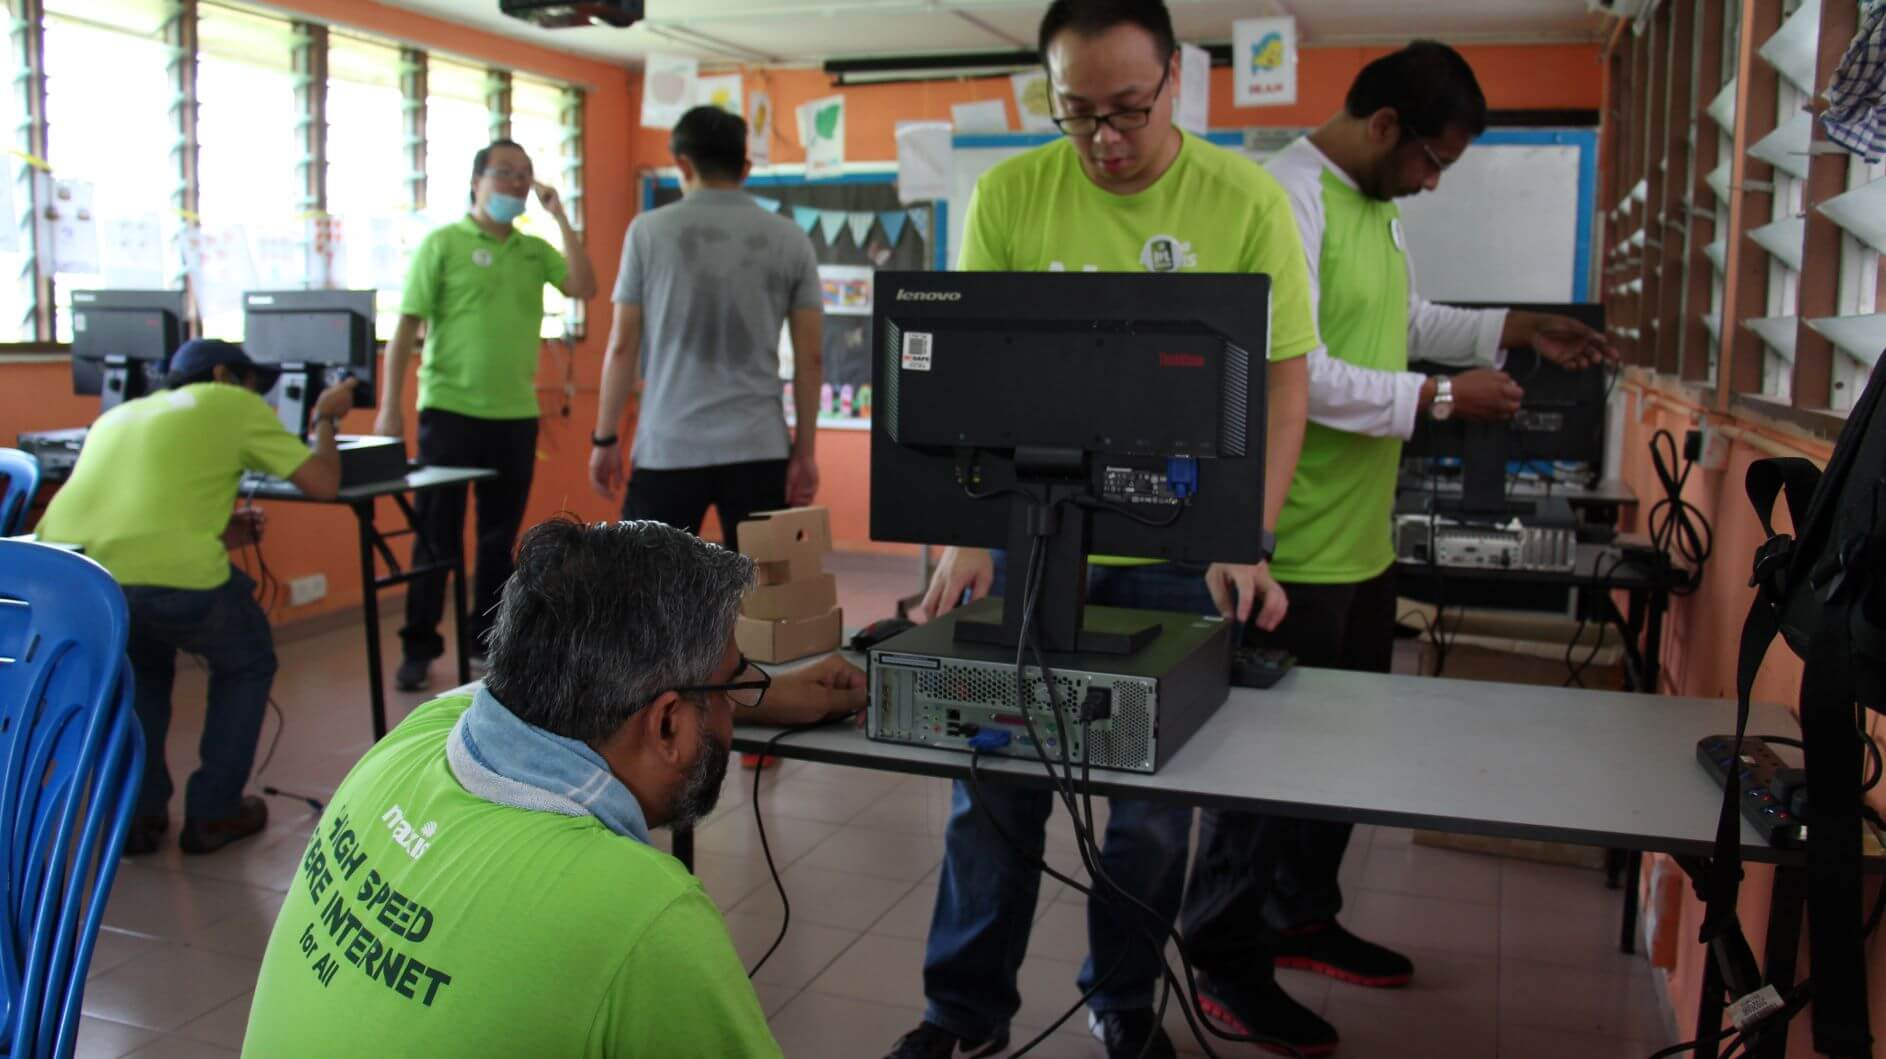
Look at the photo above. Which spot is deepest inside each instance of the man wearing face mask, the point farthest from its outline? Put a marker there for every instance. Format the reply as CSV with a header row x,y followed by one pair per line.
x,y
484,881
1265,889
477,287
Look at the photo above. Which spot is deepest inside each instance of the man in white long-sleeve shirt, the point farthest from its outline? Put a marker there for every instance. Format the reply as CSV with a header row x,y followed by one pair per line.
x,y
1408,117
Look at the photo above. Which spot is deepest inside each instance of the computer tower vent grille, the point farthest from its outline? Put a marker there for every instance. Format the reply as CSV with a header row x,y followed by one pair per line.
x,y
887,399
984,686
1237,384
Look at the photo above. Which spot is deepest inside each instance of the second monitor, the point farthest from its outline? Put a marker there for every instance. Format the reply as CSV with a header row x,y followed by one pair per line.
x,y
317,338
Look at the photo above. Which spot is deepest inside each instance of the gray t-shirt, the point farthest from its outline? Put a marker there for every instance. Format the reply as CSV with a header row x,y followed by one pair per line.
x,y
715,276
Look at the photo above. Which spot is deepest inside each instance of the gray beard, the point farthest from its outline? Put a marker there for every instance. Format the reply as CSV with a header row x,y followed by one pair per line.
x,y
701,791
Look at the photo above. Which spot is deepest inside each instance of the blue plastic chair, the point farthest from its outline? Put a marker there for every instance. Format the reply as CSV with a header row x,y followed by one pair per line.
x,y
71,762
21,472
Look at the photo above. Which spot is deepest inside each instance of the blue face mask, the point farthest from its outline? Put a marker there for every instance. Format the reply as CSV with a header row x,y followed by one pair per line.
x,y
504,208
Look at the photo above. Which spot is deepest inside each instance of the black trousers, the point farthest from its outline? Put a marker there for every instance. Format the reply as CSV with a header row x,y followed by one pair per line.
x,y
447,439
681,498
1256,874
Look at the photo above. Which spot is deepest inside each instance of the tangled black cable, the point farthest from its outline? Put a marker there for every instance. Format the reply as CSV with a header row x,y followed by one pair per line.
x,y
1677,527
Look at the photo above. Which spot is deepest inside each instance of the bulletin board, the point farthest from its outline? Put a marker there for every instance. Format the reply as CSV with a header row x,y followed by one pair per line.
x,y
1512,220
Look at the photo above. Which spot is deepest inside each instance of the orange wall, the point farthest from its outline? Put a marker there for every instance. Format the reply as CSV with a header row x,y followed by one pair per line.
x,y
1699,656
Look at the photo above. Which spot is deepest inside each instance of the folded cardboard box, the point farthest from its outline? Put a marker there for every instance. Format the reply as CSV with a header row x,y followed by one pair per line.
x,y
809,598
788,571
794,535
784,641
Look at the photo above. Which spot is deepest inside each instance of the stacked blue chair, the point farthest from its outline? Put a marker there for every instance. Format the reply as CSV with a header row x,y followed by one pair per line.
x,y
71,761
19,474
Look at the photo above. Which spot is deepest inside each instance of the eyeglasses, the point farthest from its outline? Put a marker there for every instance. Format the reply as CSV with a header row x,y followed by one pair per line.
x,y
748,693
1433,159
504,174
1126,119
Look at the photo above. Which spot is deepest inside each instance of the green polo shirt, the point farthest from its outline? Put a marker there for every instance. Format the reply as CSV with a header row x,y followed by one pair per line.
x,y
153,488
483,302
425,921
1211,211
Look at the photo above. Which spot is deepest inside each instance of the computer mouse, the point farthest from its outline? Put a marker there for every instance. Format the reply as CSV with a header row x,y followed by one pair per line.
x,y
879,631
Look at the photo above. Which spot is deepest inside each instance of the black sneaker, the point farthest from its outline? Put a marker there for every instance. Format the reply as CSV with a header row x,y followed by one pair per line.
x,y
415,674
931,1041
1327,948
208,836
147,830
1263,1009
1131,1034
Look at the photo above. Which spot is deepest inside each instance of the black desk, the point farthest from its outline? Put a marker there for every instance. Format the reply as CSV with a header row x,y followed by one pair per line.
x,y
360,499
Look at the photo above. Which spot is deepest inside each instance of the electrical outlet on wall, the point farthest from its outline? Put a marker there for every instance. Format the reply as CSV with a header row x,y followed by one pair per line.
x,y
305,590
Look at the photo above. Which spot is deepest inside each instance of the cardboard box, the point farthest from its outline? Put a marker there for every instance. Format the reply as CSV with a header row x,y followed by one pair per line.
x,y
808,598
788,571
795,536
784,641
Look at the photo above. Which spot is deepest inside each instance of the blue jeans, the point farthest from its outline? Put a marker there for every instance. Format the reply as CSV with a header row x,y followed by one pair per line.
x,y
985,901
228,629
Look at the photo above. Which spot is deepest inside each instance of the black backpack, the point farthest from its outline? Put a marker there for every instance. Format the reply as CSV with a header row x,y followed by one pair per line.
x,y
1824,591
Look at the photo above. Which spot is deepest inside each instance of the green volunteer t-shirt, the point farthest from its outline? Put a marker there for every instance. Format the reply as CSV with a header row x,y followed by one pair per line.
x,y
156,481
426,921
1334,525
483,302
1212,211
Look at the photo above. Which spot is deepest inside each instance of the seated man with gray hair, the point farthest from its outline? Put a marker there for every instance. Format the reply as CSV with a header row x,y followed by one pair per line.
x,y
483,882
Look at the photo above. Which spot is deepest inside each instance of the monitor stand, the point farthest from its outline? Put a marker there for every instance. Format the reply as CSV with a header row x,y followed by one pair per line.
x,y
1046,517
115,383
1483,479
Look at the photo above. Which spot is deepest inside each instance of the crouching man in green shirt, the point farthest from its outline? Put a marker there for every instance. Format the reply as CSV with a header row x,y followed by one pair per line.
x,y
483,881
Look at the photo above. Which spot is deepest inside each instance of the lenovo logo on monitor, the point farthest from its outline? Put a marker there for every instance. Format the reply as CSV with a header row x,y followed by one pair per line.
x,y
929,295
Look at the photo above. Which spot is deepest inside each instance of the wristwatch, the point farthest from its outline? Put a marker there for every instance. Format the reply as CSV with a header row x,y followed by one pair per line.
x,y
1443,406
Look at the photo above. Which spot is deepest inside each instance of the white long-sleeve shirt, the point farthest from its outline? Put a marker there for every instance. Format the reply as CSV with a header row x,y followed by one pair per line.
x,y
1346,396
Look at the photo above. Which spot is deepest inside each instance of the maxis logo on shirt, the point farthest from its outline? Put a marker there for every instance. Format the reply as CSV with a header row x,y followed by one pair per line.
x,y
415,841
361,919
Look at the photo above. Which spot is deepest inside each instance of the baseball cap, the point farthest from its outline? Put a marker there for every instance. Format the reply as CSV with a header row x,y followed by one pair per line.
x,y
201,354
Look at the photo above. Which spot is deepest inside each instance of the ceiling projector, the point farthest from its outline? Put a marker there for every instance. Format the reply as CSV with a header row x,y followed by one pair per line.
x,y
562,14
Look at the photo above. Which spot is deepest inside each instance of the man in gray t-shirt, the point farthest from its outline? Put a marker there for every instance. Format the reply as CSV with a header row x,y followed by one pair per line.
x,y
705,284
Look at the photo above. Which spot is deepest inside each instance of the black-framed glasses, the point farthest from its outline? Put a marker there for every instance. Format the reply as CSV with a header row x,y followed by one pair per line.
x,y
1433,159
747,693
1126,119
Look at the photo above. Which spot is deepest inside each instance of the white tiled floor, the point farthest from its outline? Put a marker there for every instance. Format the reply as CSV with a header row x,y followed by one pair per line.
x,y
1515,960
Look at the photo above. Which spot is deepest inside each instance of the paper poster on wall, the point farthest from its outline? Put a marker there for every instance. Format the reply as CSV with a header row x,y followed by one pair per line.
x,y
846,289
720,90
132,253
220,271
987,115
923,161
1032,100
74,227
667,89
1193,109
822,130
760,129
1264,62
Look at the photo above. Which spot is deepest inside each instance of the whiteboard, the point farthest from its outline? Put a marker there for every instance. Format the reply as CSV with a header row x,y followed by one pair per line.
x,y
1510,222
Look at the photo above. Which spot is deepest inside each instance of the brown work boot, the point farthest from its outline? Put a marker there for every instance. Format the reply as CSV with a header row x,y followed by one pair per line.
x,y
208,836
147,830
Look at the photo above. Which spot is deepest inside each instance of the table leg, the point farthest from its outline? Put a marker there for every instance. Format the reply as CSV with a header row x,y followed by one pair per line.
x,y
460,619
1653,641
370,603
1627,933
684,846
